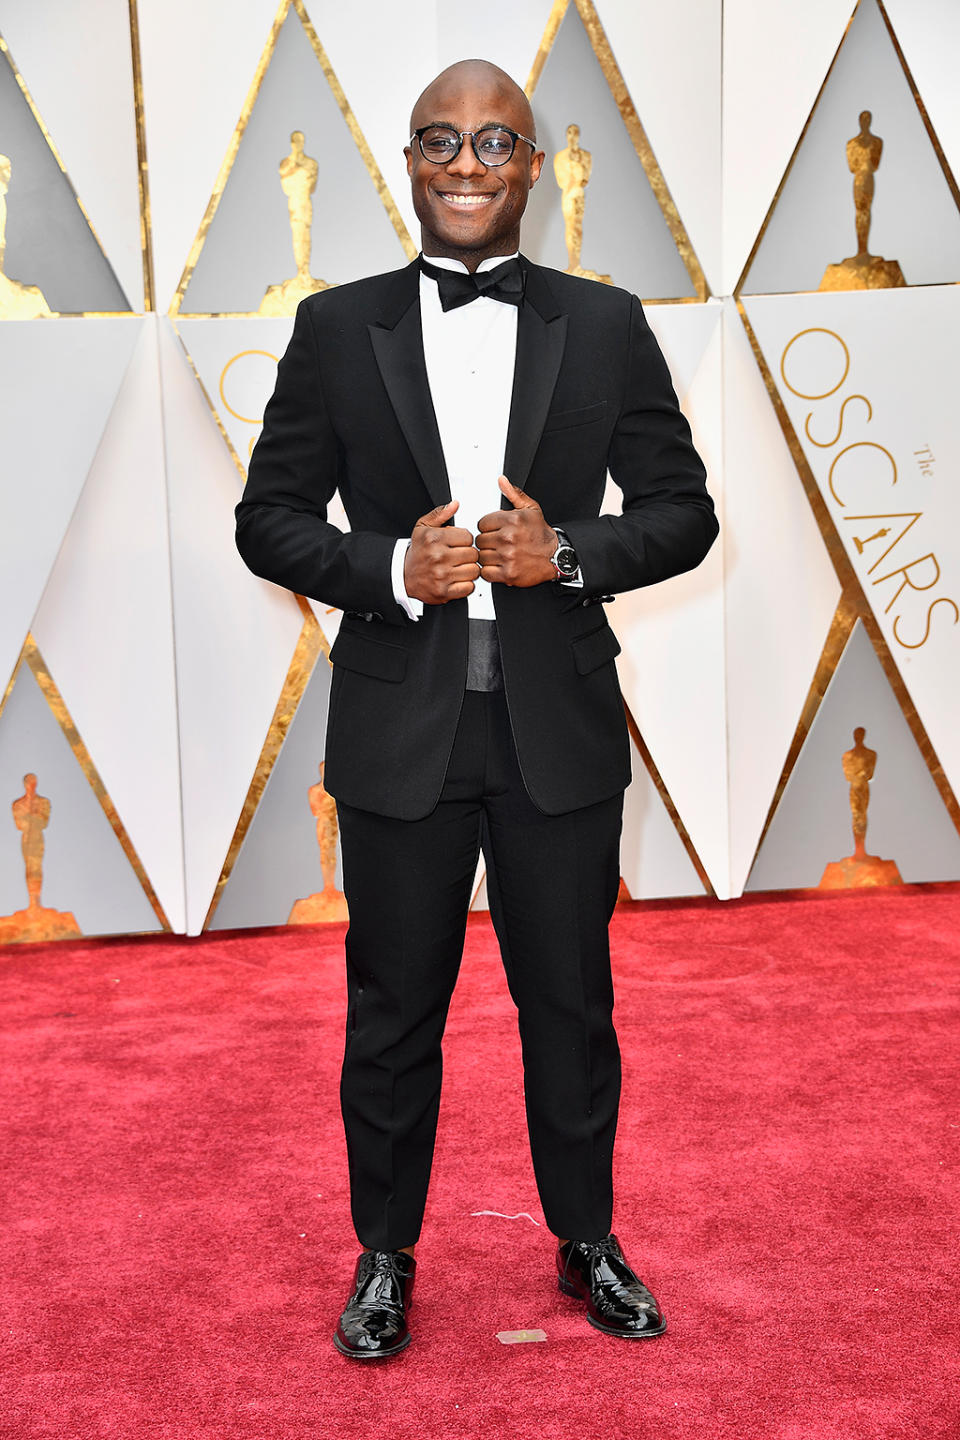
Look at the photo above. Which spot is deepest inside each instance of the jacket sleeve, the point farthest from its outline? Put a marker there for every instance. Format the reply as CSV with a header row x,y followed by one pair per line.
x,y
283,533
667,523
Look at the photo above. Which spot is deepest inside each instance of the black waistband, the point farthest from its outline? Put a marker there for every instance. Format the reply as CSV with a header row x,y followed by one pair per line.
x,y
484,671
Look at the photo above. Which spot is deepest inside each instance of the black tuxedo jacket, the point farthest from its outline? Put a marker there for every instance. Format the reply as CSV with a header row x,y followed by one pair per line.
x,y
352,412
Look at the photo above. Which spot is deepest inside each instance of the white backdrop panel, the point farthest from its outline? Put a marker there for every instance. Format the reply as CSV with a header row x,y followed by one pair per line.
x,y
671,668
198,63
929,35
683,333
781,593
883,441
236,361
383,65
670,59
653,861
50,434
503,31
775,57
105,629
235,635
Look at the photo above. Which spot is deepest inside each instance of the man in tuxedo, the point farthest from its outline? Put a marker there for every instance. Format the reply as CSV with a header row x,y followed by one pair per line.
x,y
474,700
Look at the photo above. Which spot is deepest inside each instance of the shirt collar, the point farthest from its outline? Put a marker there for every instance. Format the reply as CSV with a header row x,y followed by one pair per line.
x,y
444,263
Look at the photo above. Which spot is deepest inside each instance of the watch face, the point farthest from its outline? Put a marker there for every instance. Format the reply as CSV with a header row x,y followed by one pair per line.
x,y
566,560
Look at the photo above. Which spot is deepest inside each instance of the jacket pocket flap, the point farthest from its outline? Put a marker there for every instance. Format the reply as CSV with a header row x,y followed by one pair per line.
x,y
594,649
369,656
563,418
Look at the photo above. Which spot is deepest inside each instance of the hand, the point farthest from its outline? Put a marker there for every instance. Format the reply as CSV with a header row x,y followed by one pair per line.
x,y
515,545
441,562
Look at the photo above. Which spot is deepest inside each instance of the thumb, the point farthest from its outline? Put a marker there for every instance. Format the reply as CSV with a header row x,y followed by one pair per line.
x,y
440,515
518,499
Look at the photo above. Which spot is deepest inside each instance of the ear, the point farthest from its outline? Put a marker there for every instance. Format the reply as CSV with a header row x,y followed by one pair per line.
x,y
409,154
536,165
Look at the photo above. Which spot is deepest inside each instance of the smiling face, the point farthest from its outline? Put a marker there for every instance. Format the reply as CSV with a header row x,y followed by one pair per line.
x,y
469,211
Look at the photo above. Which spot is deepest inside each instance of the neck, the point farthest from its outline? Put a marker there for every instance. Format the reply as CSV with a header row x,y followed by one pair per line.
x,y
434,249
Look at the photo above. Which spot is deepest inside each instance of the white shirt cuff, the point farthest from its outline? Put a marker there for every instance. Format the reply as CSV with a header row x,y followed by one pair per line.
x,y
412,607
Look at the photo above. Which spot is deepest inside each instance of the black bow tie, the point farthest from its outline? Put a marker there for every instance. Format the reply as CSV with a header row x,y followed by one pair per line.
x,y
505,282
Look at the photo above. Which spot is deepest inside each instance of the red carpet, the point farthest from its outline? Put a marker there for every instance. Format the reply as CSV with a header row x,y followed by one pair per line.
x,y
175,1247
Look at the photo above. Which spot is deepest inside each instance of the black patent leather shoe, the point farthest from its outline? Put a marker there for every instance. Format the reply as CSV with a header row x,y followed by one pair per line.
x,y
374,1324
618,1303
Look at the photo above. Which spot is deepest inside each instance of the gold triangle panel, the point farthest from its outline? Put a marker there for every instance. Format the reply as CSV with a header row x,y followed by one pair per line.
x,y
143,176
67,866
601,208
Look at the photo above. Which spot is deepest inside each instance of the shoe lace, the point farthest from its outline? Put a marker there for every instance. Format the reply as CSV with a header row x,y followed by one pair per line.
x,y
384,1263
597,1248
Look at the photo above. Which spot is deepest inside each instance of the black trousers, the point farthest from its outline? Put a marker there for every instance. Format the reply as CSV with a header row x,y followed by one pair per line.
x,y
552,882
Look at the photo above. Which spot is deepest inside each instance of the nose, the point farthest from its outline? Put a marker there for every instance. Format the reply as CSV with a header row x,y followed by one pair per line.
x,y
466,163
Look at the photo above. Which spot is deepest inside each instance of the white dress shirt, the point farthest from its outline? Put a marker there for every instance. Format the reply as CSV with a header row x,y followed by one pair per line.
x,y
470,355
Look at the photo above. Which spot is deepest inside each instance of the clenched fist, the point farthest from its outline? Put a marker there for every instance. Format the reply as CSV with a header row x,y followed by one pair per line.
x,y
515,546
441,562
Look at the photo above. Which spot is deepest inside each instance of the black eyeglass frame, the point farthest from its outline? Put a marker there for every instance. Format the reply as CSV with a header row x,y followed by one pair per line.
x,y
462,135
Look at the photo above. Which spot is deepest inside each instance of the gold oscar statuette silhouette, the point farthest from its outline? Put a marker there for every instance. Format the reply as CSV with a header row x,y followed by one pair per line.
x,y
329,903
298,178
863,271
17,302
572,167
31,815
859,870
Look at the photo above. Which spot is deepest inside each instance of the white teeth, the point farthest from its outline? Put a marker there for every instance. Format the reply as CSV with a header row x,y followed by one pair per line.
x,y
468,199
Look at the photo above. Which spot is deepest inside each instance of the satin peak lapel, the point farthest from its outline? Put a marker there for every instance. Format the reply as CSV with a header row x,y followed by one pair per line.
x,y
541,337
399,354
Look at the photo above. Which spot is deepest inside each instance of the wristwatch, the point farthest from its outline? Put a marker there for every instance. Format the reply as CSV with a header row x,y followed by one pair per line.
x,y
564,559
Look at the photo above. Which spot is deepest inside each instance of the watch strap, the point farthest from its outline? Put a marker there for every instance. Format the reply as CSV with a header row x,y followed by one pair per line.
x,y
565,576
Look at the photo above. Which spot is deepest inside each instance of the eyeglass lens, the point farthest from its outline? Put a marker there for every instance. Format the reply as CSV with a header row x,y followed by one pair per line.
x,y
441,144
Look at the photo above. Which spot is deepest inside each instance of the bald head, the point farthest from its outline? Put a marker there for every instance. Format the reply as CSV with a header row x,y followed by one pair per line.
x,y
476,76
469,209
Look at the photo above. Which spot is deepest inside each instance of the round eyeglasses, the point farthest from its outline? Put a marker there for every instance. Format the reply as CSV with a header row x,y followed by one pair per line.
x,y
493,145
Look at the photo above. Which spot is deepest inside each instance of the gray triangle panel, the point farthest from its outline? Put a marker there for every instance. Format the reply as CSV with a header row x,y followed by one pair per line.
x,y
85,870
907,821
625,234
279,861
249,246
49,242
